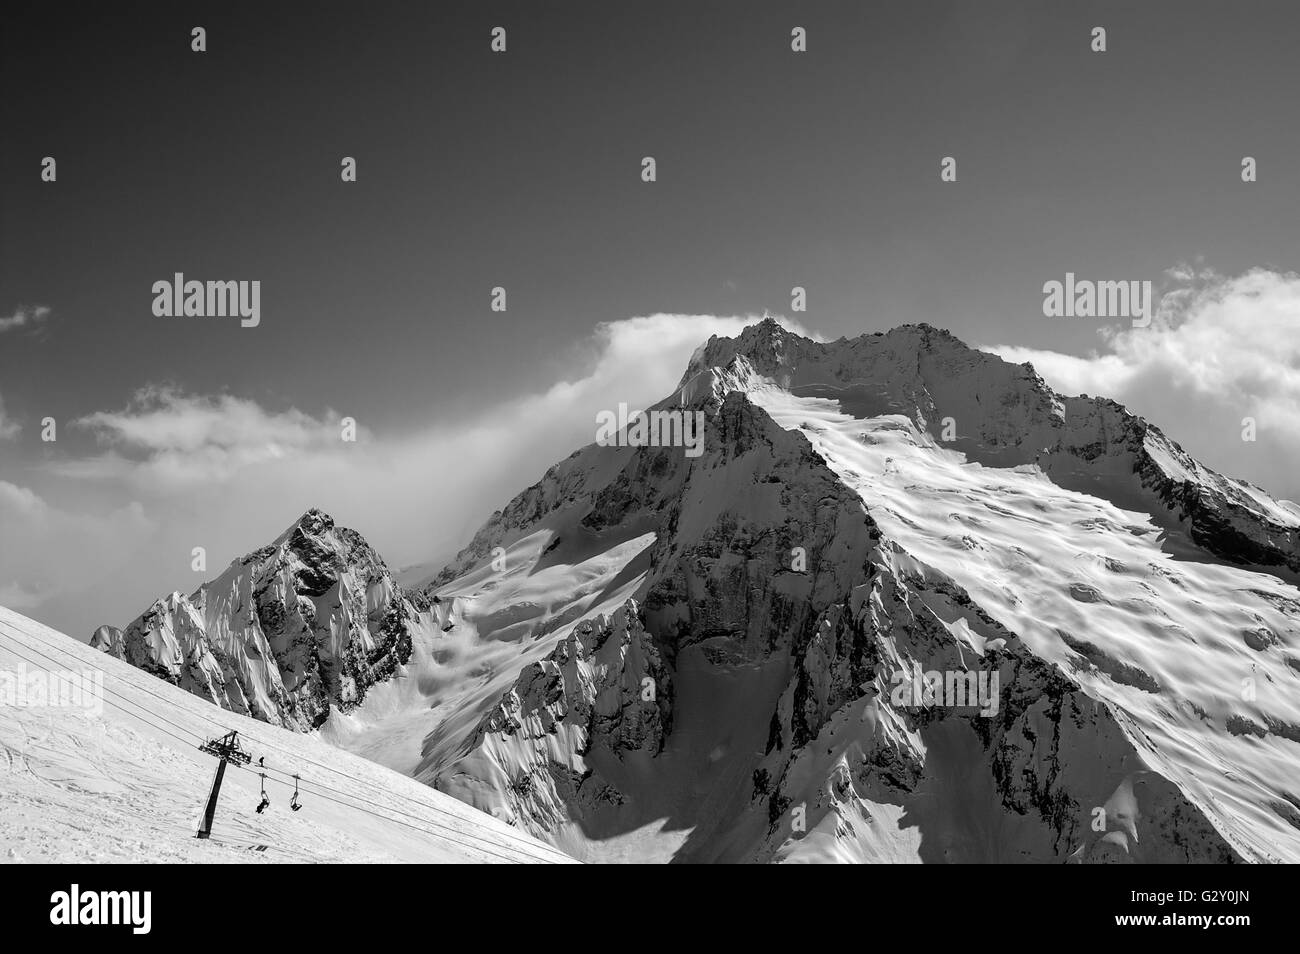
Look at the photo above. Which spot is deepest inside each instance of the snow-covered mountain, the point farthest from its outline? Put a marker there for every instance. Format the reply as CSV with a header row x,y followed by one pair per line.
x,y
1137,609
115,775
908,604
290,632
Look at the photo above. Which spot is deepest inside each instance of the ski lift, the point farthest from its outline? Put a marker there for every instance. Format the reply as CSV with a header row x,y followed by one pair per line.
x,y
265,803
293,803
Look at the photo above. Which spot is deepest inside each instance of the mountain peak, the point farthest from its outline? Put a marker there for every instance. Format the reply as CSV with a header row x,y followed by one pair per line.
x,y
315,521
287,634
771,350
1003,414
767,326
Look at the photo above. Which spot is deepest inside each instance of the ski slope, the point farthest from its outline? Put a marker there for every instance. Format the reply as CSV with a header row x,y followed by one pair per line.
x,y
129,784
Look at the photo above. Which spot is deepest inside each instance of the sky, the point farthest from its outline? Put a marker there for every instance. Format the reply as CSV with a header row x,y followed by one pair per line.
x,y
522,170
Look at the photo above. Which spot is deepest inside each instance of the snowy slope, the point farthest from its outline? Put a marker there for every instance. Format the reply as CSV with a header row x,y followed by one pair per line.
x,y
1168,643
129,784
485,630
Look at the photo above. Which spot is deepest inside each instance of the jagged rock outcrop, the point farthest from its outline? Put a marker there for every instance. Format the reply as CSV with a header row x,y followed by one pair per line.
x,y
107,639
604,686
286,634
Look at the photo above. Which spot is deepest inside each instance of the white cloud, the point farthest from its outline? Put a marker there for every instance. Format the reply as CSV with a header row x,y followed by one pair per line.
x,y
1220,350
9,428
181,439
51,554
20,501
23,317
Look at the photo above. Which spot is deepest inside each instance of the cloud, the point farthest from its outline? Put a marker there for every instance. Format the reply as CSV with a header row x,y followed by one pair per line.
x,y
15,596
224,473
20,501
24,317
51,554
165,436
9,428
1220,350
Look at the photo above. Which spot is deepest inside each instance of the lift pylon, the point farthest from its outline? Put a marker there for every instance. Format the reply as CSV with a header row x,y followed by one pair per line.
x,y
226,749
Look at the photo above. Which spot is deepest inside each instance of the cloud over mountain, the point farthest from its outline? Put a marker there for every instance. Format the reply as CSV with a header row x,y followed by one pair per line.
x,y
166,436
1221,349
218,470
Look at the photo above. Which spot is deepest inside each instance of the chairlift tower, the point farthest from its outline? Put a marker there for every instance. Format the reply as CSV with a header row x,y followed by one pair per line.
x,y
226,749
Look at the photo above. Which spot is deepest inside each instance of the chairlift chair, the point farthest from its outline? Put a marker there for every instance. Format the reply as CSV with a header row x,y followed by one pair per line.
x,y
265,803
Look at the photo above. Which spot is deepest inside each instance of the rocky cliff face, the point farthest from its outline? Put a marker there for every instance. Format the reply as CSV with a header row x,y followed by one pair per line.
x,y
603,685
1050,774
289,632
107,639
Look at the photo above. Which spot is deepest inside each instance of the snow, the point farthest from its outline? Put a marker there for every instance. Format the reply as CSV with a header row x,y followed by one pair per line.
x,y
1048,562
494,625
129,784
